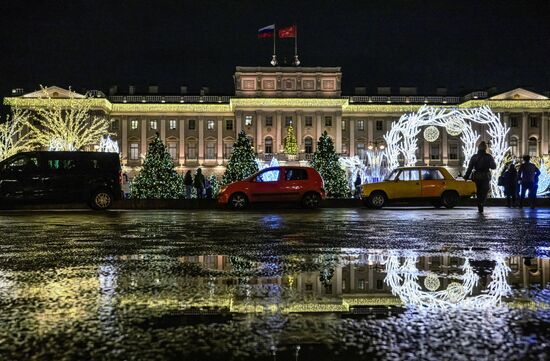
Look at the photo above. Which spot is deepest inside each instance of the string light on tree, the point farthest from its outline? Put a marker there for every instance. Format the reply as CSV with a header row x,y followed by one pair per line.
x,y
454,127
290,144
325,161
242,163
158,178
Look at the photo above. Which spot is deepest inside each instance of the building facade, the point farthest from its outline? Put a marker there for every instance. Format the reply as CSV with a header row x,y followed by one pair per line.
x,y
200,130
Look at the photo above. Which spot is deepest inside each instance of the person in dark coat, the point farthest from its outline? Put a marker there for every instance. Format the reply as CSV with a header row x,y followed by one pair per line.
x,y
528,176
198,183
481,164
357,185
510,177
188,182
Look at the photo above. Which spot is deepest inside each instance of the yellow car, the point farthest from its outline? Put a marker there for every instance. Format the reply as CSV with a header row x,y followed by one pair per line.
x,y
435,184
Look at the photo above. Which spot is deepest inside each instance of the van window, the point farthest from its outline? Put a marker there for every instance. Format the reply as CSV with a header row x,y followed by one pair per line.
x,y
295,174
22,163
61,164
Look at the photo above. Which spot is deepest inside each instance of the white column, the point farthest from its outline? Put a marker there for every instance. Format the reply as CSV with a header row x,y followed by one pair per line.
x,y
163,130
238,123
544,134
143,137
201,140
351,137
370,131
445,147
124,140
300,142
524,133
318,126
220,142
338,133
259,138
279,140
182,142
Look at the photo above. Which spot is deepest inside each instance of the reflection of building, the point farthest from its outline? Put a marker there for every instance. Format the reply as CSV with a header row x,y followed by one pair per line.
x,y
360,283
201,129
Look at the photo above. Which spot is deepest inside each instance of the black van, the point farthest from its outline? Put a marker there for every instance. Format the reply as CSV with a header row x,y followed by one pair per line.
x,y
55,177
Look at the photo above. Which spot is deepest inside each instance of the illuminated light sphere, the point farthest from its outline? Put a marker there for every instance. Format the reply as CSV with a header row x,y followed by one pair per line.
x,y
431,133
431,282
454,127
455,292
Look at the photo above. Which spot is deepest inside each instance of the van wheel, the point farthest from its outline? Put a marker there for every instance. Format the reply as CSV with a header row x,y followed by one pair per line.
x,y
238,201
377,199
311,200
101,200
449,199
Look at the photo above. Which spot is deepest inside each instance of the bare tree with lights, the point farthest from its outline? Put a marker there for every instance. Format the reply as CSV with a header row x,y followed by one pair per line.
x,y
13,135
66,125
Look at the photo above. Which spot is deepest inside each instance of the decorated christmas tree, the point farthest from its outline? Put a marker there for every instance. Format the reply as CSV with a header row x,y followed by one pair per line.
x,y
242,162
291,147
325,161
215,185
158,179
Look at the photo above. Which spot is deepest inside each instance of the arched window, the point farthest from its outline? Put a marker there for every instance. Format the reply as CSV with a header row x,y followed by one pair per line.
x,y
308,145
251,139
532,147
514,150
268,145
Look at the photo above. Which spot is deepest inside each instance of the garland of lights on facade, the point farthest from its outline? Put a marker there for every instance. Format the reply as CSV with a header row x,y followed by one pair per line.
x,y
402,138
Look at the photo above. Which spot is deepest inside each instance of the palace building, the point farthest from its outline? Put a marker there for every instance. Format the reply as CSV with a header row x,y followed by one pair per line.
x,y
199,130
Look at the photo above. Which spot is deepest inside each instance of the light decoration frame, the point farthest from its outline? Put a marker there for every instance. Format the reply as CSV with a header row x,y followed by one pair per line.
x,y
544,179
402,137
108,145
403,281
263,165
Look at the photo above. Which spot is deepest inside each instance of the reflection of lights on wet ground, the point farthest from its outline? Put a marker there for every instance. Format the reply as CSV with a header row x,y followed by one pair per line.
x,y
272,221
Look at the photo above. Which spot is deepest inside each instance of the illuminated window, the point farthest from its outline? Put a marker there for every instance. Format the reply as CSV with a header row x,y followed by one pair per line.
x,y
133,124
172,150
227,150
453,151
343,124
361,150
134,151
192,150
360,125
514,150
248,120
211,151
434,151
210,124
268,145
172,124
532,147
153,125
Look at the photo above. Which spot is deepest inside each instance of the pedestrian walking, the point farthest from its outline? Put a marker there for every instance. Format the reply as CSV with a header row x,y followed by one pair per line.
x,y
510,183
198,183
528,176
357,185
188,182
207,188
481,164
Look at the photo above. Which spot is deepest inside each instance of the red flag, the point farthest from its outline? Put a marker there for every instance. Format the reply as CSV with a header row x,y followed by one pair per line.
x,y
288,32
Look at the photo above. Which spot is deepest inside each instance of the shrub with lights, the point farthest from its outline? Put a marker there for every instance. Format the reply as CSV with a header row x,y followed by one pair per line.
x,y
242,162
158,179
325,161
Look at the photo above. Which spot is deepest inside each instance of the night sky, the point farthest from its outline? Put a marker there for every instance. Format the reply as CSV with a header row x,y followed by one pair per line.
x,y
462,45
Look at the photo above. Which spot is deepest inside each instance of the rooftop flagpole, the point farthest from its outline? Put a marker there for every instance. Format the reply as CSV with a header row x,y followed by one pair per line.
x,y
274,58
296,60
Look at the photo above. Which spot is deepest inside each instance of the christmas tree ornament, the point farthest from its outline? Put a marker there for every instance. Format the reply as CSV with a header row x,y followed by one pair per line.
x,y
431,282
431,133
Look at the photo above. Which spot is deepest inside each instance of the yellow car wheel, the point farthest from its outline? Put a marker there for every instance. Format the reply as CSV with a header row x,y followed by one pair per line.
x,y
377,199
449,199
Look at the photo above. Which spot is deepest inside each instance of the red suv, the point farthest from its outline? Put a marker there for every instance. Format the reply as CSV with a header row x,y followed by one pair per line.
x,y
276,184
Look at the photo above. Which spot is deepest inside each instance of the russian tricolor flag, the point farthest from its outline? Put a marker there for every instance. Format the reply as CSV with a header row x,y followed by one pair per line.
x,y
266,31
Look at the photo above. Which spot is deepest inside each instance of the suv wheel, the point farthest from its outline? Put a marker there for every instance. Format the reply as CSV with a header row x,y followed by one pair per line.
x,y
238,201
101,199
377,199
449,199
311,200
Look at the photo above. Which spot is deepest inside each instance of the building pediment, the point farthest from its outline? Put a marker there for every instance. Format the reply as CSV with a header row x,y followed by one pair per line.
x,y
519,94
54,92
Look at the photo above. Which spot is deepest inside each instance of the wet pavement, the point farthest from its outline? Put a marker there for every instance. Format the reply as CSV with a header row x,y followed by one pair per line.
x,y
330,284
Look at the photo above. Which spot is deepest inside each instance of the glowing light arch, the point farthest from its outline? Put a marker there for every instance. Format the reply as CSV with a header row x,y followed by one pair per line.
x,y
402,137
